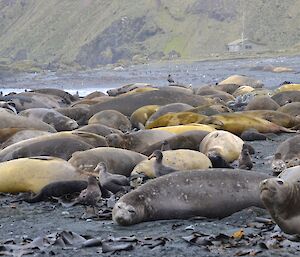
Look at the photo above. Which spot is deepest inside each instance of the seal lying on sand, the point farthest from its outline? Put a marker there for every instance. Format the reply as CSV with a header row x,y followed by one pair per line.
x,y
58,189
213,193
281,196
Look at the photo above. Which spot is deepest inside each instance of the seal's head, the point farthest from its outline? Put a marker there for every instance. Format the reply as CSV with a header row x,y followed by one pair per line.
x,y
274,192
125,214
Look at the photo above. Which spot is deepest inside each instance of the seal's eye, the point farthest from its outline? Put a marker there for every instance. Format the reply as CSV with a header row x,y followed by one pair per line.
x,y
131,211
280,182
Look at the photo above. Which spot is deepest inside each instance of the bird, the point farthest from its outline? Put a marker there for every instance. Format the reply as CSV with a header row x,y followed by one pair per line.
x,y
111,182
278,165
92,194
165,146
159,168
245,161
170,79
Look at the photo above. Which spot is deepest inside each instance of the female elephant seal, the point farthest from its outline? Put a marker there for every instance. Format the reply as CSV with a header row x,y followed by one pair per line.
x,y
213,193
281,197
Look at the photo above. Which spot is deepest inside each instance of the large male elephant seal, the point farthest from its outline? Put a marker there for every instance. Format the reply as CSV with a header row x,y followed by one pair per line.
x,y
129,103
213,193
51,117
281,196
32,174
118,161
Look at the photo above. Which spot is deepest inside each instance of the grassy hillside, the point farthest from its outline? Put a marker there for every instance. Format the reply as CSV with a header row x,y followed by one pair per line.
x,y
90,32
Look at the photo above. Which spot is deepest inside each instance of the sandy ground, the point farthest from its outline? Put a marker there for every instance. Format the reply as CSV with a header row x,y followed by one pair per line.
x,y
22,221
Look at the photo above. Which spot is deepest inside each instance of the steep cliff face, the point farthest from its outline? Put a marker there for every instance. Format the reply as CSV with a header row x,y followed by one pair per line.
x,y
90,32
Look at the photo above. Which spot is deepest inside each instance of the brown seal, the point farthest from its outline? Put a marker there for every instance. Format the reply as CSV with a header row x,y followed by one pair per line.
x,y
212,193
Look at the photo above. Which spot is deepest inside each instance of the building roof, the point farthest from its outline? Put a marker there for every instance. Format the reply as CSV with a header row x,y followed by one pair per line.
x,y
239,41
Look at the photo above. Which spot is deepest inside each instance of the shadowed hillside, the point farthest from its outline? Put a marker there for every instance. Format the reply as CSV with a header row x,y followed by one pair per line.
x,y
91,33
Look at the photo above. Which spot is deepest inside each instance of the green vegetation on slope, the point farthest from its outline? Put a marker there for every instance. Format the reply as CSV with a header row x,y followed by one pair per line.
x,y
91,33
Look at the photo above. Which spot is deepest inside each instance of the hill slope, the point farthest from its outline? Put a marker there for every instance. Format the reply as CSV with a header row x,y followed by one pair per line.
x,y
91,32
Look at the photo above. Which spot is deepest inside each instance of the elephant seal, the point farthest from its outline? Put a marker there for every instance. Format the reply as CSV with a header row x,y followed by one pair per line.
x,y
159,168
242,91
168,108
289,150
99,129
61,144
281,197
252,135
79,113
228,88
211,109
187,140
288,87
262,103
278,118
68,98
137,141
129,103
181,159
242,80
237,123
127,88
8,120
185,128
32,174
51,117
292,109
111,118
58,189
182,195
111,182
90,195
283,98
175,119
222,143
118,161
23,135
140,116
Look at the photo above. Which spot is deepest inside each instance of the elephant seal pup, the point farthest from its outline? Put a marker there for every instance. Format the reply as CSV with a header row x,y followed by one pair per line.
x,y
159,168
281,198
213,193
92,194
58,189
111,182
